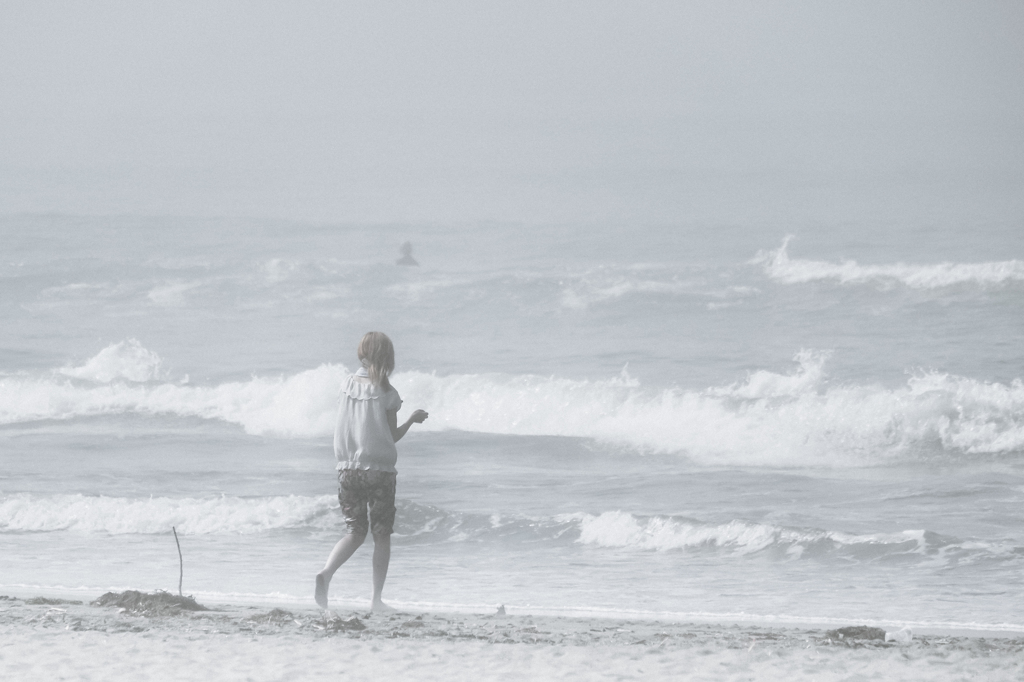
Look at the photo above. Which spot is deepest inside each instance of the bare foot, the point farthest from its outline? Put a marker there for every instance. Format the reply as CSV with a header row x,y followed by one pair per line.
x,y
381,607
321,592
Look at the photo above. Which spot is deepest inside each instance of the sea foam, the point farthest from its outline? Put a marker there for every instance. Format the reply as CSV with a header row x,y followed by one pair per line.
x,y
300,405
123,360
780,267
797,418
194,516
618,529
422,524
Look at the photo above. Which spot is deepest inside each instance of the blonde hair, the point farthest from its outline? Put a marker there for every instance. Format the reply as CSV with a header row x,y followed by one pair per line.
x,y
378,357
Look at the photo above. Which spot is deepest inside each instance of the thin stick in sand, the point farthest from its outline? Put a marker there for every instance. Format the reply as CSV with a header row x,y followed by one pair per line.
x,y
181,562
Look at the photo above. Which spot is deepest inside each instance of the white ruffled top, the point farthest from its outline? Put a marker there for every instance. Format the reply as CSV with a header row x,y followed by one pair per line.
x,y
362,436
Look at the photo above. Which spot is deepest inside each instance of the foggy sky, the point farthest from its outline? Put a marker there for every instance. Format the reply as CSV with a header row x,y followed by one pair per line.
x,y
535,111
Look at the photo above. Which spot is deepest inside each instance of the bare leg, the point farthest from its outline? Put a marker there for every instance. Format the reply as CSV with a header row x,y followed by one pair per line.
x,y
381,560
339,555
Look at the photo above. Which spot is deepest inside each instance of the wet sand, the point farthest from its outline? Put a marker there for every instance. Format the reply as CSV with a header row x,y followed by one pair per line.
x,y
56,639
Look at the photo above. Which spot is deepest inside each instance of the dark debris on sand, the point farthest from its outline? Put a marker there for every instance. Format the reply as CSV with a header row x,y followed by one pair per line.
x,y
857,637
145,604
274,616
338,624
856,632
45,601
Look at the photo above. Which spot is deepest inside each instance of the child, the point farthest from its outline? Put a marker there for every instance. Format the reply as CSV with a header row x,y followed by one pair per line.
x,y
364,444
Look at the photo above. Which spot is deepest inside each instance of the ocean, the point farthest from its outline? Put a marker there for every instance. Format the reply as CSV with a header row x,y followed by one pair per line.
x,y
776,423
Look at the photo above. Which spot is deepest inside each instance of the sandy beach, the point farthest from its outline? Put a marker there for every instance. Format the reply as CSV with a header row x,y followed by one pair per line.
x,y
44,638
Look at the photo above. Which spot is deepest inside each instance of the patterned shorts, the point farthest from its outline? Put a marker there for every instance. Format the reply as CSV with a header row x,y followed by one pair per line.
x,y
360,490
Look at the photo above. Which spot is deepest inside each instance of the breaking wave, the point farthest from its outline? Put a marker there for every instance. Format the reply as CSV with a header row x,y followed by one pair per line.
x,y
117,515
125,360
780,267
661,533
425,524
770,419
113,382
798,418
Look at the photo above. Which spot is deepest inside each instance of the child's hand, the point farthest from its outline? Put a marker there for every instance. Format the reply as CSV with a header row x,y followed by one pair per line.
x,y
418,416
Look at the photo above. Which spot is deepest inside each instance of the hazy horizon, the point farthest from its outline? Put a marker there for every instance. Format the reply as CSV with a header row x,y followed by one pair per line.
x,y
573,112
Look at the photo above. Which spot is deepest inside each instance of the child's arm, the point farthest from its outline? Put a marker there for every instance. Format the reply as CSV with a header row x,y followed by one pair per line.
x,y
398,431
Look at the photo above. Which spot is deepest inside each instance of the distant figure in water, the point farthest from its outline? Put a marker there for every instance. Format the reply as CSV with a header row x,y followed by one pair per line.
x,y
364,445
406,251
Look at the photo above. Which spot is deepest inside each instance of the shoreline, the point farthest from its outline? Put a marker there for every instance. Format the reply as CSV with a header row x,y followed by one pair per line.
x,y
51,638
240,602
